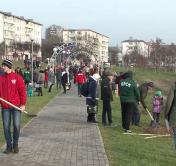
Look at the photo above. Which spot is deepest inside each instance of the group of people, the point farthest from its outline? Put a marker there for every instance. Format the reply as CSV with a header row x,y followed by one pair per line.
x,y
13,89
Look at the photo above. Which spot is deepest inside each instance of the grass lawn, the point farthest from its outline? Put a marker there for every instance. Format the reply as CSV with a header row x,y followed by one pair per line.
x,y
124,150
34,105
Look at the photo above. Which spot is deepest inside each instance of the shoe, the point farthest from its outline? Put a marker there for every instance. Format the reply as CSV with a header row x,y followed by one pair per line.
x,y
103,124
111,125
8,150
15,149
94,121
128,131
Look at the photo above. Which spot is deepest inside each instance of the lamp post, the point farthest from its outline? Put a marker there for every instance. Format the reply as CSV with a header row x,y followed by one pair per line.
x,y
32,66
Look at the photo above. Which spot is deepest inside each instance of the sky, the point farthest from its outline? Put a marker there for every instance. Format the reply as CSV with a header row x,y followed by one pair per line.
x,y
117,19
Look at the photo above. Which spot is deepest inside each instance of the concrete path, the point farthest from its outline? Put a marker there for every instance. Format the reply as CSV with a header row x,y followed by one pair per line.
x,y
59,136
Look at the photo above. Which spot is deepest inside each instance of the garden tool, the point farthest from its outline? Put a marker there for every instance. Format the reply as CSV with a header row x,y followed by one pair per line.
x,y
14,106
153,122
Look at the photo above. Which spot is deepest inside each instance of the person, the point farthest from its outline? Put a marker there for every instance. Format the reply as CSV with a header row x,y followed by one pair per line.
x,y
19,71
170,111
143,90
12,89
27,76
46,78
64,80
80,80
30,90
129,95
40,82
157,105
51,79
107,97
91,100
58,77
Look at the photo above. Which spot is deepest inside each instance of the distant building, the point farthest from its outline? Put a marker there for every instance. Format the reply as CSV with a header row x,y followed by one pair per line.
x,y
54,30
15,29
94,41
130,45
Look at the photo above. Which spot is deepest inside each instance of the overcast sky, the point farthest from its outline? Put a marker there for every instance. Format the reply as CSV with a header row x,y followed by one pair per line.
x,y
117,19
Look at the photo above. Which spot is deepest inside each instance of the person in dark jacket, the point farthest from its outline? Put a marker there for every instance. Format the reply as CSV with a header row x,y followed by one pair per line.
x,y
129,95
170,111
107,97
91,100
64,80
143,90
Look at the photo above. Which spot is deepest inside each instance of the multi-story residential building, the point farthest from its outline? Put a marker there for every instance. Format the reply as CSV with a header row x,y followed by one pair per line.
x,y
17,29
95,43
54,30
130,45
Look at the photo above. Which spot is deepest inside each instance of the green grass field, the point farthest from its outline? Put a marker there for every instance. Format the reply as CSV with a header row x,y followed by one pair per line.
x,y
133,150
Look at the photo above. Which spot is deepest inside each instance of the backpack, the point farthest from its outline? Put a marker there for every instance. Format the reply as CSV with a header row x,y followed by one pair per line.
x,y
85,89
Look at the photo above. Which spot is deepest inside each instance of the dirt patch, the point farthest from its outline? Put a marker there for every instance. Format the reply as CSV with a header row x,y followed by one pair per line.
x,y
156,130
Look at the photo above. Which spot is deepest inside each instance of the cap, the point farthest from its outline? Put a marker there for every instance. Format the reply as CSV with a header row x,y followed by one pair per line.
x,y
7,63
158,93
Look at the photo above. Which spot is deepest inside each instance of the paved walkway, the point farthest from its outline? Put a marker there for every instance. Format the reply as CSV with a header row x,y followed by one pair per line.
x,y
59,136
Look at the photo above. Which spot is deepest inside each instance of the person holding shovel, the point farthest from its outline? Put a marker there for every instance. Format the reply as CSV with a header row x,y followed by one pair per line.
x,y
170,111
143,90
13,90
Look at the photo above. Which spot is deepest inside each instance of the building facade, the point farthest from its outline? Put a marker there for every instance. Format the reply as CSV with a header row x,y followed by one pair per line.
x,y
17,29
96,43
130,45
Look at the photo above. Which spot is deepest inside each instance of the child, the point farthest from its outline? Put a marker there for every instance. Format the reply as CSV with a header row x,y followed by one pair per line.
x,y
29,90
157,103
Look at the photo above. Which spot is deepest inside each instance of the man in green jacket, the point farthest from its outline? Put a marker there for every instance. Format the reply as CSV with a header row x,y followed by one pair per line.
x,y
129,95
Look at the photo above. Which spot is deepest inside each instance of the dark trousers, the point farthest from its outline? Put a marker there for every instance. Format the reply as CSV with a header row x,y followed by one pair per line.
x,y
40,92
136,115
50,88
64,87
156,116
127,111
106,110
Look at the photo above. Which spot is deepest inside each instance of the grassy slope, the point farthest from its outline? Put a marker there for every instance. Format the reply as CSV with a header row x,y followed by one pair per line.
x,y
135,150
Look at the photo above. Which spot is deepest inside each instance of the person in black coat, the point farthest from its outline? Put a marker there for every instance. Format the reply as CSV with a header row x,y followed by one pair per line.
x,y
64,80
91,100
107,97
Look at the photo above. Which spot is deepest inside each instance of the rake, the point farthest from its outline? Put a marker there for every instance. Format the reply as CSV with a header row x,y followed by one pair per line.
x,y
14,106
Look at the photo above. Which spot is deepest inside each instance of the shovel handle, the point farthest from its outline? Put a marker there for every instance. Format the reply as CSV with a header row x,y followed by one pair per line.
x,y
14,106
149,114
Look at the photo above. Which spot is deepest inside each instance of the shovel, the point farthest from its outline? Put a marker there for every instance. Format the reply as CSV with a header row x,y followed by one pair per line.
x,y
19,109
153,122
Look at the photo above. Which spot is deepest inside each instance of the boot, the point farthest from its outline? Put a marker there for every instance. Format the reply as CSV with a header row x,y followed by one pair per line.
x,y
15,148
8,150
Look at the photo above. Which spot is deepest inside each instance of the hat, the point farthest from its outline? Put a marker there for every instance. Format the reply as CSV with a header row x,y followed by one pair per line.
x,y
7,63
158,93
96,76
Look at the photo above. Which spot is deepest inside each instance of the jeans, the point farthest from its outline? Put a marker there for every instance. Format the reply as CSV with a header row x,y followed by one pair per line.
x,y
7,116
79,89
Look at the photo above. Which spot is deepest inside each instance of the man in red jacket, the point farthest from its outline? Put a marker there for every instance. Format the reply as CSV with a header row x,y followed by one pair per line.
x,y
80,80
12,89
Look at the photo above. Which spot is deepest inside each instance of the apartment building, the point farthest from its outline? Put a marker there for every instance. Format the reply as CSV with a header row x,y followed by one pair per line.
x,y
140,45
95,42
17,29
